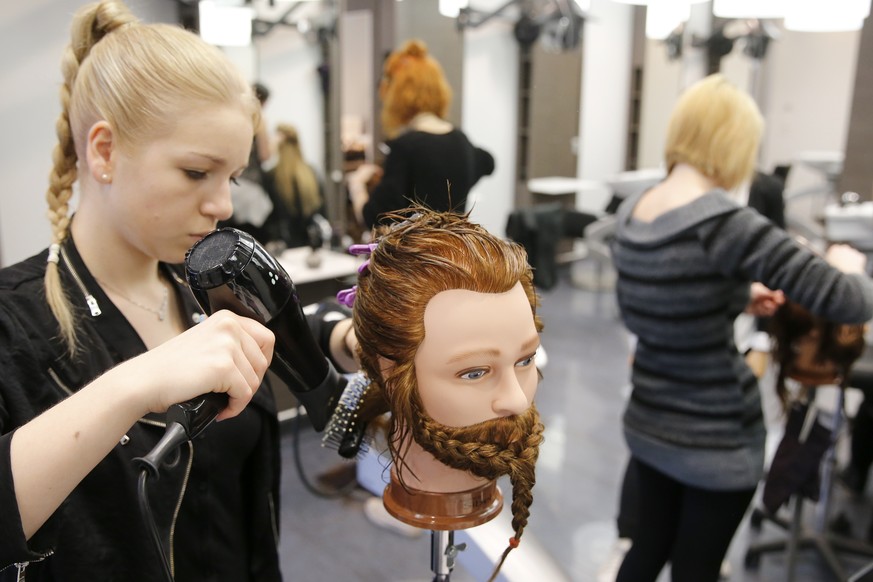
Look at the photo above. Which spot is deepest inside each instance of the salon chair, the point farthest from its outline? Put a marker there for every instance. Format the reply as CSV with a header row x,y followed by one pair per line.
x,y
598,235
539,229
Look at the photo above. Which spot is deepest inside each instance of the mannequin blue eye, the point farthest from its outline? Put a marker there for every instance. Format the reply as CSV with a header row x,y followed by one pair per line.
x,y
526,362
473,374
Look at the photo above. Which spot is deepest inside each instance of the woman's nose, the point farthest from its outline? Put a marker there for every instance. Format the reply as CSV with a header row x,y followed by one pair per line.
x,y
220,203
511,397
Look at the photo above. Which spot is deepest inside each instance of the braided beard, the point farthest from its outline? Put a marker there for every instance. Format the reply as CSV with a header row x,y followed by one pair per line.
x,y
500,446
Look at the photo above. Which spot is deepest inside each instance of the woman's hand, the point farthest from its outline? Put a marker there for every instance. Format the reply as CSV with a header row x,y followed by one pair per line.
x,y
226,353
846,259
764,302
52,453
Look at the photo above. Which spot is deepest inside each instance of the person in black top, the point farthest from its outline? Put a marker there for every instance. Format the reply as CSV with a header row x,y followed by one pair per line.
x,y
295,191
99,333
430,162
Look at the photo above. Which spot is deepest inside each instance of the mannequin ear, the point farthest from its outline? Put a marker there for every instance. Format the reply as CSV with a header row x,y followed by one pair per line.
x,y
386,366
99,149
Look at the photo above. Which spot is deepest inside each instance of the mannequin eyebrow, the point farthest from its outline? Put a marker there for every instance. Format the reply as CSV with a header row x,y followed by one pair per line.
x,y
530,345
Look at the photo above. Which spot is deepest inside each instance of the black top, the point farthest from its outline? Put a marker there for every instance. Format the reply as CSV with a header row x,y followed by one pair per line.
x,y
436,170
226,527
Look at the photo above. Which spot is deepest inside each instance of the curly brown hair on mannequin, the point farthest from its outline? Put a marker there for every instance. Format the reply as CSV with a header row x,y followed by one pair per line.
x,y
421,255
812,350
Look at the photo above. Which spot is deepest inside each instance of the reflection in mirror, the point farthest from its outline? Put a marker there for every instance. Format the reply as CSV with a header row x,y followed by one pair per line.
x,y
369,31
293,46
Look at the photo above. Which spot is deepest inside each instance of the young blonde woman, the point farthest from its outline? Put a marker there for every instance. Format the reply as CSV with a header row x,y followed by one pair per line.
x,y
155,126
686,255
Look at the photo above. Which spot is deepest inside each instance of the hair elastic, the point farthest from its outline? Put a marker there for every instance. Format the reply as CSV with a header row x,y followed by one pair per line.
x,y
54,253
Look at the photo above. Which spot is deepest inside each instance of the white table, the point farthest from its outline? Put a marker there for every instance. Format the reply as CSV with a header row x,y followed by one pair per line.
x,y
333,265
559,185
625,184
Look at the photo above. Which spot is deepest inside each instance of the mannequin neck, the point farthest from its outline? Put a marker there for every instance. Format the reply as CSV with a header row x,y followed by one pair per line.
x,y
439,497
423,472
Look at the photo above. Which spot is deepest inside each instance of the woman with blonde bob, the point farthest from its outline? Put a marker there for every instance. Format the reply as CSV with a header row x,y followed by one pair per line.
x,y
686,254
430,161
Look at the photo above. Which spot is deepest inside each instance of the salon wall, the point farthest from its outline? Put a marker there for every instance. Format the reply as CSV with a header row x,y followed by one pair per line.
x,y
35,34
489,113
858,171
490,104
603,123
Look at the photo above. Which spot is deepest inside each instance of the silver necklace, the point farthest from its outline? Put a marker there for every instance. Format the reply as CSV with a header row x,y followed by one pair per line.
x,y
161,311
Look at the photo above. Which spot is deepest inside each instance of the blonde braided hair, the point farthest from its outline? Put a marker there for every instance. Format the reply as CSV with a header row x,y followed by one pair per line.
x,y
90,25
139,78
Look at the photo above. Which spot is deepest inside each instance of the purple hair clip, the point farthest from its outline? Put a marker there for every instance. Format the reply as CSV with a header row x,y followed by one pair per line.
x,y
347,296
364,249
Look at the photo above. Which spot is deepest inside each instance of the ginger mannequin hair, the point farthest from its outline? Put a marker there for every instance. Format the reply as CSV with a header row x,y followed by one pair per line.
x,y
417,257
138,77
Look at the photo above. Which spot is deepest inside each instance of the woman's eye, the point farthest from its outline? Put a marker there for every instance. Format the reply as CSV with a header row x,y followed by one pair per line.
x,y
526,362
195,174
473,374
234,180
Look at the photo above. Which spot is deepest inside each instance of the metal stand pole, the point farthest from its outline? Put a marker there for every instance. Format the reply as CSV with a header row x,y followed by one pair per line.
x,y
443,552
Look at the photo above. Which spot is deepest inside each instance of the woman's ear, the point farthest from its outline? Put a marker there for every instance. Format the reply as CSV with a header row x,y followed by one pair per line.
x,y
98,151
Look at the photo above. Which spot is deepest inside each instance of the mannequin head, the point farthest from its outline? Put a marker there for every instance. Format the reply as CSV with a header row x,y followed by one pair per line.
x,y
445,314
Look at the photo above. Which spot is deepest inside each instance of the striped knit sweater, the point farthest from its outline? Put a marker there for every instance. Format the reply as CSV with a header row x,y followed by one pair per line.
x,y
695,411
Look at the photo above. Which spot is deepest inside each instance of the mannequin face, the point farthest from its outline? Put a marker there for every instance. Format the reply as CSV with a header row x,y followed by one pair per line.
x,y
476,362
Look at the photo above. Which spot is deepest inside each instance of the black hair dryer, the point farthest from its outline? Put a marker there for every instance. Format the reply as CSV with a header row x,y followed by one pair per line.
x,y
228,269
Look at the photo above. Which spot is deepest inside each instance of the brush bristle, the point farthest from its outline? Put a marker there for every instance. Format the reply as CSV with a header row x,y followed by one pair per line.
x,y
345,432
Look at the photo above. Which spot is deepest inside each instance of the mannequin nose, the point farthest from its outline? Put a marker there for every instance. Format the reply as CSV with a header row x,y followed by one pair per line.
x,y
511,398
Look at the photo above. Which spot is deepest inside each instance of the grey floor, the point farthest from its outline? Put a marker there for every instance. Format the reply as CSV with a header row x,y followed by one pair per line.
x,y
579,471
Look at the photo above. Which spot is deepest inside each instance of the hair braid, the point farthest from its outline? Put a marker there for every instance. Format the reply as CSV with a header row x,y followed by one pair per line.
x,y
90,25
523,480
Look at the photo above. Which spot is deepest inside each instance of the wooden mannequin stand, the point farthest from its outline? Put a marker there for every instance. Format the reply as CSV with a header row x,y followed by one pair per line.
x,y
449,499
